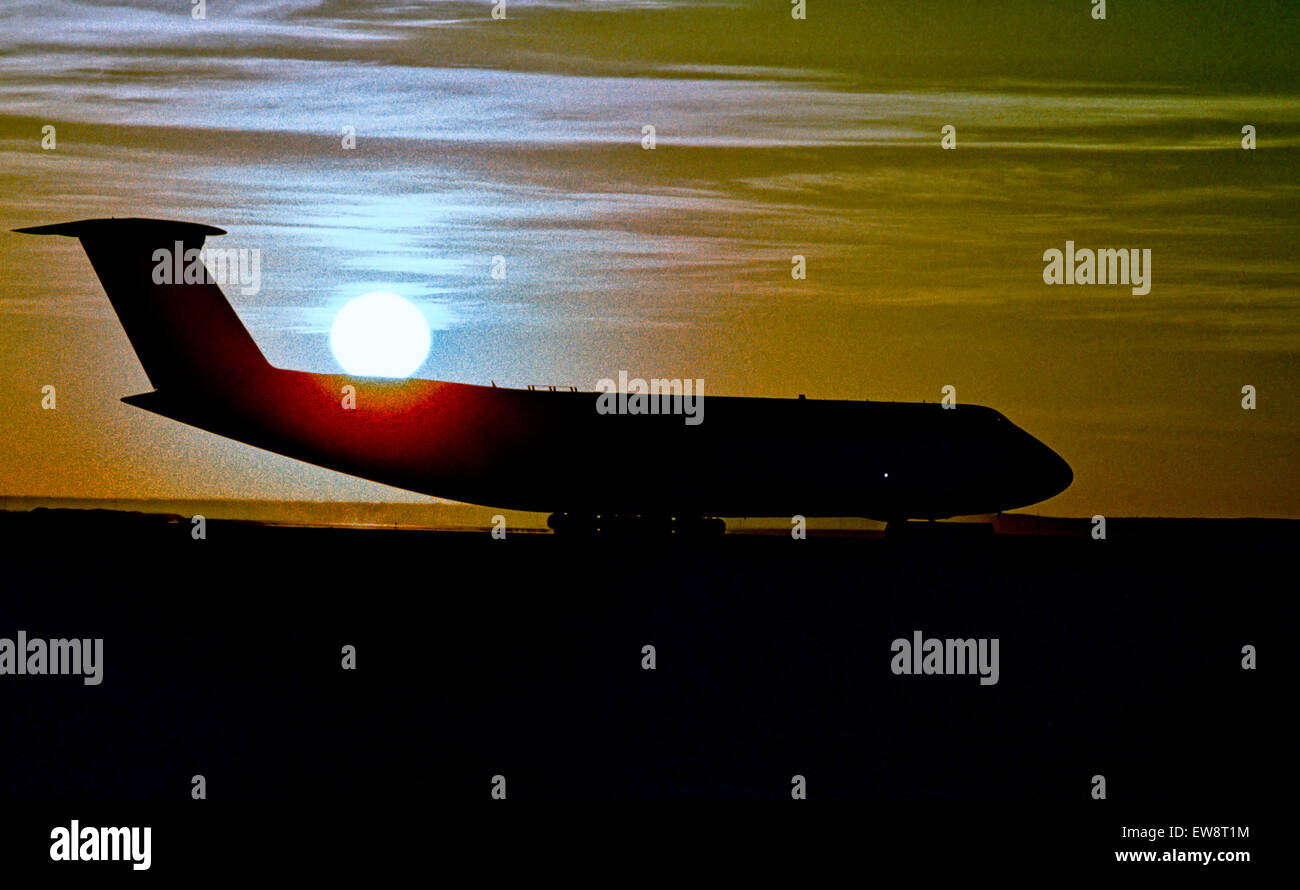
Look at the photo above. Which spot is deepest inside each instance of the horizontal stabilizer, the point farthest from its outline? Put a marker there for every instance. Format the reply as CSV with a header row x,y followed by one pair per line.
x,y
137,226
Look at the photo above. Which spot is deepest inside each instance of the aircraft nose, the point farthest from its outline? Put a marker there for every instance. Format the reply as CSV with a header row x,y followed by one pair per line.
x,y
1031,472
1059,473
1051,473
1039,472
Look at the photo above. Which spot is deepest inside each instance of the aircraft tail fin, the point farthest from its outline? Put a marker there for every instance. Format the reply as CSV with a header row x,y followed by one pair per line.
x,y
186,335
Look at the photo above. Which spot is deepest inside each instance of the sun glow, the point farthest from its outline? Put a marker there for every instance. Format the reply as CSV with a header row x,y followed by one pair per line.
x,y
380,334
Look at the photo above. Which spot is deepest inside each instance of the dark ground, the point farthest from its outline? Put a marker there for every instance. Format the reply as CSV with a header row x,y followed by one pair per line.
x,y
522,658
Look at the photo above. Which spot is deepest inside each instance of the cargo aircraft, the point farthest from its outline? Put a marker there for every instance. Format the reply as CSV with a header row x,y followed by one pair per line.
x,y
553,451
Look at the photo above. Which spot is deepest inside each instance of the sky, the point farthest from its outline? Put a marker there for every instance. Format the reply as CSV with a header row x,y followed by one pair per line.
x,y
523,138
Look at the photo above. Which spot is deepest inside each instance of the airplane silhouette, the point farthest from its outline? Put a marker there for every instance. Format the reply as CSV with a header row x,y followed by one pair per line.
x,y
553,451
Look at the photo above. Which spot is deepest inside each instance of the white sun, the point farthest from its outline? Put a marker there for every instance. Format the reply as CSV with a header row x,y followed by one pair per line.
x,y
380,335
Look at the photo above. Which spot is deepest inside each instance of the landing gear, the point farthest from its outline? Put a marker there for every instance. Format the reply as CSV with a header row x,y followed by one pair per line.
x,y
634,525
930,530
914,528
